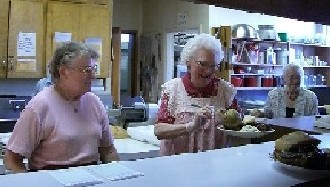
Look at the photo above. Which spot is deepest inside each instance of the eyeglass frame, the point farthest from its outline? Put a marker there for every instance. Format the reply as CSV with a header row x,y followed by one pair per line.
x,y
87,70
200,63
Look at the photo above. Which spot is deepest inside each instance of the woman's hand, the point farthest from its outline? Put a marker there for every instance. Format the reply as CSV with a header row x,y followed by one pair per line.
x,y
201,117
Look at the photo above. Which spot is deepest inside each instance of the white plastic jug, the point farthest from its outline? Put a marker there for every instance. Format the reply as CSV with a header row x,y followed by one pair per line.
x,y
270,56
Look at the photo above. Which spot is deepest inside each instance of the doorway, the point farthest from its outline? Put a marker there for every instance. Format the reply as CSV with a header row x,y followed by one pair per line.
x,y
175,41
129,80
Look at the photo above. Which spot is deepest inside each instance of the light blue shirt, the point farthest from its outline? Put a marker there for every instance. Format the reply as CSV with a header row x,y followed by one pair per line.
x,y
42,83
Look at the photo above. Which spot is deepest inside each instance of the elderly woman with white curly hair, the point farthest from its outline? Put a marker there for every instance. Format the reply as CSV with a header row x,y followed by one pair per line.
x,y
291,100
184,121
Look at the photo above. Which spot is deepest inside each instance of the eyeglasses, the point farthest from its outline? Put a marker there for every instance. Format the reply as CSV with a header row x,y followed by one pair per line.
x,y
207,65
87,70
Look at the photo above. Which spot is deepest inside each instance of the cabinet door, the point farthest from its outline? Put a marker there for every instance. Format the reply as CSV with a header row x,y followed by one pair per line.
x,y
26,25
4,8
95,23
64,18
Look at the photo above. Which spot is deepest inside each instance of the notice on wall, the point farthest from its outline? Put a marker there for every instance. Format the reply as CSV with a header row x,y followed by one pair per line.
x,y
182,19
60,37
26,44
96,44
26,65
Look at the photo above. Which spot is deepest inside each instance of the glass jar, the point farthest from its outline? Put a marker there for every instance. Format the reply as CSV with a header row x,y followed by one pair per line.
x,y
312,80
320,79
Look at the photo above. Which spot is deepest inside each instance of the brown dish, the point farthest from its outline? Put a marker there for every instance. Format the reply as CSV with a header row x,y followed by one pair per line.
x,y
301,150
316,160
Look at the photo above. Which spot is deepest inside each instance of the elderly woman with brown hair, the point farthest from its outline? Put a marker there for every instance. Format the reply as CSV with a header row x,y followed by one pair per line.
x,y
291,100
64,125
185,122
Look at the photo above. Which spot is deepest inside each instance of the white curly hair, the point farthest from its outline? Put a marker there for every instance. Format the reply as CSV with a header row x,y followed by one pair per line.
x,y
291,68
202,41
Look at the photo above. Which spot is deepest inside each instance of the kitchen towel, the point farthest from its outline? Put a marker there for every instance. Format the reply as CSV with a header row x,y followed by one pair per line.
x,y
113,171
74,177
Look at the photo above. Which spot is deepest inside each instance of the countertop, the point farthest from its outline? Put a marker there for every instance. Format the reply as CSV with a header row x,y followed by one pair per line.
x,y
239,166
128,149
304,123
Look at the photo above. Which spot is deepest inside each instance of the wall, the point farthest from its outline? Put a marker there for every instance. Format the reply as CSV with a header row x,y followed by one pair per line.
x,y
160,17
127,14
223,16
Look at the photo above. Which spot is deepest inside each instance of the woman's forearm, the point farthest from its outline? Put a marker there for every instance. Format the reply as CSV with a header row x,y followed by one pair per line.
x,y
108,154
169,131
14,162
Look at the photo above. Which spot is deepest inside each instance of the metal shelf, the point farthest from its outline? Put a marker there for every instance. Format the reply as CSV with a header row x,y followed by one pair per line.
x,y
257,65
316,67
259,41
309,44
316,86
255,88
270,88
254,74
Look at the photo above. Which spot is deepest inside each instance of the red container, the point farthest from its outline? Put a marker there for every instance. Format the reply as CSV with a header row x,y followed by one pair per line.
x,y
238,70
237,82
250,82
267,82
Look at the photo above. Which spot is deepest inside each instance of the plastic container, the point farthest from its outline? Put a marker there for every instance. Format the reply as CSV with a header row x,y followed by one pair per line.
x,y
250,82
236,81
281,56
267,82
267,32
283,37
270,56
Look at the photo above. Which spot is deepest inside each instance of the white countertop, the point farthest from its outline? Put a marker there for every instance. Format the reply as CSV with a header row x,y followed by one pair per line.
x,y
123,145
238,166
128,149
144,133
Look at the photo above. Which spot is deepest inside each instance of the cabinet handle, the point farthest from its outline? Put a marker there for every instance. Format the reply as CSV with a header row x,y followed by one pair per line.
x,y
4,64
11,64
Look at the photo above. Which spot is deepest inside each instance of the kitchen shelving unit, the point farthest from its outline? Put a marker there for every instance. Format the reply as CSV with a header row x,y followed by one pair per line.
x,y
323,54
258,69
322,51
230,63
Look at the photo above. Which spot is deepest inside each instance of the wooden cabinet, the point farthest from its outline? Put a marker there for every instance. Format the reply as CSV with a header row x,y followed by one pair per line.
x,y
26,32
4,9
61,17
21,18
83,21
96,24
28,28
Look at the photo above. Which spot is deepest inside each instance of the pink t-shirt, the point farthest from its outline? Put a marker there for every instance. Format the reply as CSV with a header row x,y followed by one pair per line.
x,y
53,131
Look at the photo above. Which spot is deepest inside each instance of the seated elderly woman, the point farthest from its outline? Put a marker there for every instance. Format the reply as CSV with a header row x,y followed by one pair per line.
x,y
65,124
291,100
